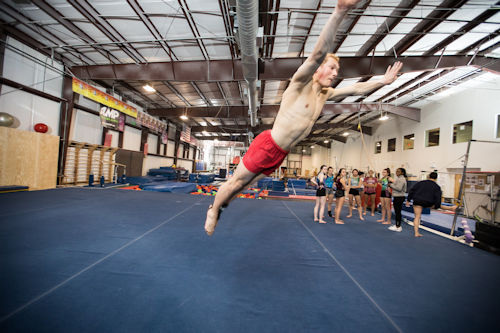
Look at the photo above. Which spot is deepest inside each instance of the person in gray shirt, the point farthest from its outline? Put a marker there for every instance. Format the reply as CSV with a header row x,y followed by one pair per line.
x,y
398,186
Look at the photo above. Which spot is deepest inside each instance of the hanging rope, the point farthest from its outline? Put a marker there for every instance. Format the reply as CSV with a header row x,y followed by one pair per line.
x,y
360,129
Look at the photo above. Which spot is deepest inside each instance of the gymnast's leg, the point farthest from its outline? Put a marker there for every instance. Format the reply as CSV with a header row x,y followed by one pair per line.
x,y
242,178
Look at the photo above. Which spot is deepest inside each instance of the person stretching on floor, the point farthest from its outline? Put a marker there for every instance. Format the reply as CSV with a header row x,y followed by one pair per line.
x,y
329,189
301,105
399,193
354,188
425,194
319,181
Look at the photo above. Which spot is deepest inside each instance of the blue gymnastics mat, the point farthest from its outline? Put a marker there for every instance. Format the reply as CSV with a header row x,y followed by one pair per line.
x,y
80,260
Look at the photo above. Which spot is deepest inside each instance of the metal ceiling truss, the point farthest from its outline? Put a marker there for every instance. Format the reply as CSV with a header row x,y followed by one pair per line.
x,y
271,69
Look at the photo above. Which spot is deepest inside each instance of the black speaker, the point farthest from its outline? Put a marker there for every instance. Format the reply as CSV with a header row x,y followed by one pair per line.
x,y
488,236
222,173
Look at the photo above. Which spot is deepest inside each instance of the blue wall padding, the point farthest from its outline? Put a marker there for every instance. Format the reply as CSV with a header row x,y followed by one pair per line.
x,y
173,187
296,183
265,183
278,185
9,188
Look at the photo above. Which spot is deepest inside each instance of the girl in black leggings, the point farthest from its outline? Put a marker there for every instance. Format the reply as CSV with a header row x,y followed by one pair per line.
x,y
398,186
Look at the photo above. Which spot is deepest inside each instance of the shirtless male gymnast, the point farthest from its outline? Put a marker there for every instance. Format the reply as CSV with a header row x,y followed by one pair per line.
x,y
300,107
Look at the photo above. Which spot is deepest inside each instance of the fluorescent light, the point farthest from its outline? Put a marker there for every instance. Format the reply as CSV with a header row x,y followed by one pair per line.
x,y
345,134
312,146
215,140
326,141
384,117
303,150
205,133
184,117
148,88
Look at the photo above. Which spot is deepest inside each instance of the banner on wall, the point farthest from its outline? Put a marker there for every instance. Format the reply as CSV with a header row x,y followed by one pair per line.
x,y
186,133
154,124
164,137
112,119
96,95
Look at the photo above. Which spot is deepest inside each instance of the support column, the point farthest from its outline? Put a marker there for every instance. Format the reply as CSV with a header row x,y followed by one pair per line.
x,y
144,138
65,116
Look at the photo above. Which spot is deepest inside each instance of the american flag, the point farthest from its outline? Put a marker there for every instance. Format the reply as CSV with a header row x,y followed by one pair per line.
x,y
186,133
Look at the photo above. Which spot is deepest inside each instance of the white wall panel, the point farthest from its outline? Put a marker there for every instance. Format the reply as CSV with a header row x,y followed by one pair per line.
x,y
132,139
86,128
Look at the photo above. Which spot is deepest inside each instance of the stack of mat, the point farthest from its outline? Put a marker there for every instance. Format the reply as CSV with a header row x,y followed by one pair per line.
x,y
146,180
173,187
265,183
166,172
278,185
202,178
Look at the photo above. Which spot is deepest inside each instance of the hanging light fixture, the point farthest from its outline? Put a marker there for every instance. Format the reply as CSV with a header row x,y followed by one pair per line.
x,y
184,116
149,88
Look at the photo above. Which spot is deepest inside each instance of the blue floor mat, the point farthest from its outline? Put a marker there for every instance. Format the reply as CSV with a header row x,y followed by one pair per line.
x,y
78,260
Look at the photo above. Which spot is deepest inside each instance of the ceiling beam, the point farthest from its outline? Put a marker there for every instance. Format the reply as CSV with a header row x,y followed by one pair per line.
x,y
348,24
270,69
107,29
445,9
56,15
389,24
243,129
464,29
151,27
270,111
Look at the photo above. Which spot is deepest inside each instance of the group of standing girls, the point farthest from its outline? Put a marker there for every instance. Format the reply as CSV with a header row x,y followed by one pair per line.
x,y
330,186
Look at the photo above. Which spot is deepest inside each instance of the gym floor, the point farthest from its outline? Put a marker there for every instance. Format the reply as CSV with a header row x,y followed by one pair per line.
x,y
109,260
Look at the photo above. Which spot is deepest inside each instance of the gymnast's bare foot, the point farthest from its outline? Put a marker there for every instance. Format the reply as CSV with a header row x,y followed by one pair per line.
x,y
418,234
386,222
380,220
350,215
339,222
211,221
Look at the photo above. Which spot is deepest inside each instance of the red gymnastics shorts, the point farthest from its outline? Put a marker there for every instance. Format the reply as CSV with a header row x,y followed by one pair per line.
x,y
264,155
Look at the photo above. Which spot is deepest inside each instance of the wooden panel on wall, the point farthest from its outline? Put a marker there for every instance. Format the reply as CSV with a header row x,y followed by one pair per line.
x,y
28,158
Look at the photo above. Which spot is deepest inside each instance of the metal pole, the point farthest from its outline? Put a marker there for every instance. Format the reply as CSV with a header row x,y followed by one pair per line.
x,y
462,186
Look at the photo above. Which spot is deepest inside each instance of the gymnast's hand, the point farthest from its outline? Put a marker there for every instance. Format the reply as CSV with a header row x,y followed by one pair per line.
x,y
346,4
408,204
391,74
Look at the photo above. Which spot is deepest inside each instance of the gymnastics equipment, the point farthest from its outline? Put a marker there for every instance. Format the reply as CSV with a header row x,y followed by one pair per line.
x,y
41,128
84,159
28,158
6,119
493,198
467,233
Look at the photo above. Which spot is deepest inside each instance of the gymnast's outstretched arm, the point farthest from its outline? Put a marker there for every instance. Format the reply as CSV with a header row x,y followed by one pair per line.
x,y
325,43
361,88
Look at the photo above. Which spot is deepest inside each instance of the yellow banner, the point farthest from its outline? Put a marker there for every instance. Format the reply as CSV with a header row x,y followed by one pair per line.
x,y
98,96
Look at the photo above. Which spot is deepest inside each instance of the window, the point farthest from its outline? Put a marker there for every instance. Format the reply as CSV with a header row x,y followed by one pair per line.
x,y
432,137
304,150
408,141
391,144
462,132
498,126
378,147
